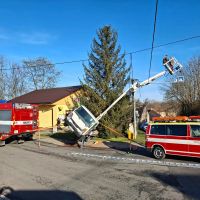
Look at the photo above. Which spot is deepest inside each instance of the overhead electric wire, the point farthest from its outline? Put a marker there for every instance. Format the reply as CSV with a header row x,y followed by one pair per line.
x,y
133,52
153,37
165,44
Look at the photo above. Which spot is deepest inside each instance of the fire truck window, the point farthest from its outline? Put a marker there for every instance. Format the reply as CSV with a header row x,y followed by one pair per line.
x,y
195,130
158,129
5,115
177,130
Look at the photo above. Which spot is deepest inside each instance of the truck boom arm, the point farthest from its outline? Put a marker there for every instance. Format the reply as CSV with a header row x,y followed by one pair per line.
x,y
135,86
172,66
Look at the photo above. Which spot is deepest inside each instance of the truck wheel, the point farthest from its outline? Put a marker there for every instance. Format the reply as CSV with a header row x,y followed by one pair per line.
x,y
159,153
28,137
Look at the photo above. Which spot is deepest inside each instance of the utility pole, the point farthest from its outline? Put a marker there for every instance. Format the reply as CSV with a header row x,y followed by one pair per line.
x,y
134,115
134,108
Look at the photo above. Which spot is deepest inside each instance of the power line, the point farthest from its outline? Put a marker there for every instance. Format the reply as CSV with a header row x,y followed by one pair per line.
x,y
165,44
133,52
154,31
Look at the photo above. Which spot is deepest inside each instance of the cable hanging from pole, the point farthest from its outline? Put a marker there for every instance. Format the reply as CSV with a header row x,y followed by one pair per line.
x,y
153,37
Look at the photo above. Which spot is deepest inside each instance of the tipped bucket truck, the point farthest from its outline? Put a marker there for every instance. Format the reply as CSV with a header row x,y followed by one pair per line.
x,y
83,122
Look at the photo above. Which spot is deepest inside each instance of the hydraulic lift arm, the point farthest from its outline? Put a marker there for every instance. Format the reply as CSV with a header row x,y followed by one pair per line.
x,y
172,65
134,87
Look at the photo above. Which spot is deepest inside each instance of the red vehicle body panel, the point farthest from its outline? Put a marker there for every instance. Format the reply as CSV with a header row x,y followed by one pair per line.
x,y
17,119
175,145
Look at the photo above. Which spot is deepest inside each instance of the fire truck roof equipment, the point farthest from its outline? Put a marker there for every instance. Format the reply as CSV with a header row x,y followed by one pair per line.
x,y
170,119
177,119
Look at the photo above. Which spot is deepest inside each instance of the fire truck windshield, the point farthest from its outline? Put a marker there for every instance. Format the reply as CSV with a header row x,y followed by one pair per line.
x,y
195,129
85,116
5,116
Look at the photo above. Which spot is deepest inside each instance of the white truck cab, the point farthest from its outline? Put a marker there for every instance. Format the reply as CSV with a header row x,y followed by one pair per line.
x,y
81,120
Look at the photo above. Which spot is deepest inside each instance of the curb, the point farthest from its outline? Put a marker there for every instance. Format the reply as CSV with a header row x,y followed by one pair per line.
x,y
91,146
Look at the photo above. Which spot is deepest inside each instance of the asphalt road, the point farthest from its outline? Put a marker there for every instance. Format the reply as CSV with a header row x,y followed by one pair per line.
x,y
61,173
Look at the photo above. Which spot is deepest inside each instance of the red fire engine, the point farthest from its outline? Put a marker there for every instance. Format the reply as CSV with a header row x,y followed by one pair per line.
x,y
174,135
18,121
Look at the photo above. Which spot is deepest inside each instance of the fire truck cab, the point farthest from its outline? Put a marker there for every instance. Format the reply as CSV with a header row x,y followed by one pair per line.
x,y
18,121
174,135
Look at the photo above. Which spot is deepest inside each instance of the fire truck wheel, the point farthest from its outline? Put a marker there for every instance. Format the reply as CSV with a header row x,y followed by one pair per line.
x,y
28,137
159,152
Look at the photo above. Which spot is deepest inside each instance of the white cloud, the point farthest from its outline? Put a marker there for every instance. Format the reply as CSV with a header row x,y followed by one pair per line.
x,y
36,38
31,37
3,36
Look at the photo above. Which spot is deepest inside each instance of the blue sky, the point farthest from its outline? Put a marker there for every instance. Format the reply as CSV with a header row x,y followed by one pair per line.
x,y
63,31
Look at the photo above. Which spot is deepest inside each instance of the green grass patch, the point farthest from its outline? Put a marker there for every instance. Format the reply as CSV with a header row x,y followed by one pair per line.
x,y
140,138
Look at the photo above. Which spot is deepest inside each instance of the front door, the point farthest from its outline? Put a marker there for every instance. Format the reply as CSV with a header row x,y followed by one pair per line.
x,y
194,142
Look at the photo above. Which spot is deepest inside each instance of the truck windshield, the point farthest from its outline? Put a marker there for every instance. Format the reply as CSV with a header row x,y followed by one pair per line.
x,y
85,116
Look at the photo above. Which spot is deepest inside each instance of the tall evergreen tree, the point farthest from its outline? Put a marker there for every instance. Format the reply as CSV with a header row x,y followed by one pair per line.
x,y
106,76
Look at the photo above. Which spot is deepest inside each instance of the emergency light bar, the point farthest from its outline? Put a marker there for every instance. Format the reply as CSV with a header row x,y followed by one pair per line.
x,y
176,119
195,118
170,119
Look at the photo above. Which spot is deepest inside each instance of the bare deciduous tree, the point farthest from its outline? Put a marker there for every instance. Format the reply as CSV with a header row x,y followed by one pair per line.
x,y
32,74
2,78
187,93
41,73
16,83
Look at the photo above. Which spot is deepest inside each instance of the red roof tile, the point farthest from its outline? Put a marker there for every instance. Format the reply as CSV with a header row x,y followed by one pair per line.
x,y
46,96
